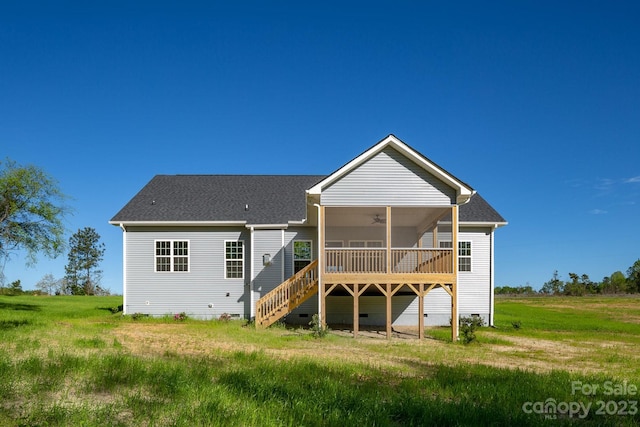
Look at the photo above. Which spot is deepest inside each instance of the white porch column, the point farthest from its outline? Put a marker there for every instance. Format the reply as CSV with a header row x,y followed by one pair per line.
x,y
455,321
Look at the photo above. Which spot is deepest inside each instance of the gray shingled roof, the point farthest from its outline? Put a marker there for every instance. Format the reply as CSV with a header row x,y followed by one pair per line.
x,y
271,199
478,210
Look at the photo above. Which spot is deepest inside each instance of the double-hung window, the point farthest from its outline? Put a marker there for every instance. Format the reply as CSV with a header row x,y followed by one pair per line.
x,y
172,255
464,256
234,259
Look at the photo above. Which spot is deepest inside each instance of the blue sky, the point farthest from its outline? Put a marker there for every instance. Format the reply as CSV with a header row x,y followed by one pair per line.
x,y
535,104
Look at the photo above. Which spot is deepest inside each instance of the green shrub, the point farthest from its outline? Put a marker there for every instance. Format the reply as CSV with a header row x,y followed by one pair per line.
x,y
468,327
317,330
138,316
180,316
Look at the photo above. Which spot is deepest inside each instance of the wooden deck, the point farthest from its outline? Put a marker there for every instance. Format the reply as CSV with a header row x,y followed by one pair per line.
x,y
384,271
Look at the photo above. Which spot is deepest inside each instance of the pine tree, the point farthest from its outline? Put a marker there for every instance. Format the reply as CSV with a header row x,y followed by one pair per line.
x,y
85,254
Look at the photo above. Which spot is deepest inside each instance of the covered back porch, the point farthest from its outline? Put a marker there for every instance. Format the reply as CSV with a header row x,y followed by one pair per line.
x,y
387,251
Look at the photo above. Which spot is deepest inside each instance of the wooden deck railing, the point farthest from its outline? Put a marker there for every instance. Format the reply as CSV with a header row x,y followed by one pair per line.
x,y
403,260
287,296
351,260
423,261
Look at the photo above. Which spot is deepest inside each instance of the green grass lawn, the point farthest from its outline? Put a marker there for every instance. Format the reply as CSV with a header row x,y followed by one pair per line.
x,y
71,361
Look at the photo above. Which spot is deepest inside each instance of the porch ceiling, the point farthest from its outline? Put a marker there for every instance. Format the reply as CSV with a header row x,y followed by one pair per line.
x,y
364,216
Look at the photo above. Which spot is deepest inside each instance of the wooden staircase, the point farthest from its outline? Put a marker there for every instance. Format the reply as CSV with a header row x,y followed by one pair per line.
x,y
287,296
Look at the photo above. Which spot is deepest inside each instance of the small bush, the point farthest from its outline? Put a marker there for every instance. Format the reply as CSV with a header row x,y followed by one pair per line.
x,y
138,316
224,317
468,327
180,317
317,330
117,309
516,324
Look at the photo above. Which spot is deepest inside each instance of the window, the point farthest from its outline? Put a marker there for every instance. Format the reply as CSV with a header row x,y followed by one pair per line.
x,y
365,243
301,254
172,255
234,259
464,254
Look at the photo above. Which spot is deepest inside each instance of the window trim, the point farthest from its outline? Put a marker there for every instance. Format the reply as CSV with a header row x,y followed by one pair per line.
x,y
242,260
171,256
293,252
469,257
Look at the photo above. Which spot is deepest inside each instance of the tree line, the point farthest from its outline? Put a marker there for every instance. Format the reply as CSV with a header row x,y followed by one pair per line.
x,y
82,275
577,285
32,209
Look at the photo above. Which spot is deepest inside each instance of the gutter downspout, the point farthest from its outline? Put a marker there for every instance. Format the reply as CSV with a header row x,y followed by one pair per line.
x,y
124,269
320,253
492,277
252,309
283,257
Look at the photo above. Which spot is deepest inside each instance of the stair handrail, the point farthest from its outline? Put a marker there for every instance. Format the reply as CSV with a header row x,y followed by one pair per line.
x,y
287,296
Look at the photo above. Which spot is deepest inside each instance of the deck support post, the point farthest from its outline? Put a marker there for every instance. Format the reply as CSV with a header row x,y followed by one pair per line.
x,y
356,310
421,311
389,296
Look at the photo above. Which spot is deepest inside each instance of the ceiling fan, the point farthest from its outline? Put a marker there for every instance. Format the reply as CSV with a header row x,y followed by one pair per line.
x,y
378,220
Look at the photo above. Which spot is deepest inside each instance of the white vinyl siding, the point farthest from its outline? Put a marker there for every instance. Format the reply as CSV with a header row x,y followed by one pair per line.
x,y
388,178
474,287
267,277
160,294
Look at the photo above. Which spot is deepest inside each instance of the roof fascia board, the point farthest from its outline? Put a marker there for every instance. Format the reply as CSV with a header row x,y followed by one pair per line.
x,y
180,223
317,189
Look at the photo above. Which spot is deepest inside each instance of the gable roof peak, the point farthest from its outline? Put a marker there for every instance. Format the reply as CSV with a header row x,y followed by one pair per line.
x,y
463,190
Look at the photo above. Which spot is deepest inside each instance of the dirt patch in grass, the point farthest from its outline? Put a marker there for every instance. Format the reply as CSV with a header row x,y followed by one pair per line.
x,y
160,339
163,340
404,353
542,355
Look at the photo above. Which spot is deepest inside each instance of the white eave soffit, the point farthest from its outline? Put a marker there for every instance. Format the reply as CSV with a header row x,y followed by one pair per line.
x,y
464,193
